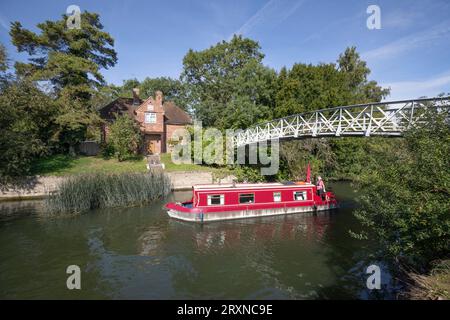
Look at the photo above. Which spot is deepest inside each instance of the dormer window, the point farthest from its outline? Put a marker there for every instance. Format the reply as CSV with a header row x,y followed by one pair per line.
x,y
150,107
150,117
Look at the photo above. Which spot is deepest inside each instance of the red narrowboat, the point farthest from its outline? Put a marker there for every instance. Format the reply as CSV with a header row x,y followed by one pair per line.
x,y
215,202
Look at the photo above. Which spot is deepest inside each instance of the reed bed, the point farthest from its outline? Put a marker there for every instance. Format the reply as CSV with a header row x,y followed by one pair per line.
x,y
91,191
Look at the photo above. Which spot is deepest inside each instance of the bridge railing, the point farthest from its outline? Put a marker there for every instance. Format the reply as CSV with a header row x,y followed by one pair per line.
x,y
381,118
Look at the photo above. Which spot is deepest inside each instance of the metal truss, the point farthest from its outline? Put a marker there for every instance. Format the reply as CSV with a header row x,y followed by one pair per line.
x,y
373,119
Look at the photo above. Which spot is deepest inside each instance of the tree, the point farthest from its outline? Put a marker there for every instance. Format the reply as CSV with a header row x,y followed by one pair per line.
x,y
28,129
228,81
124,137
4,77
69,60
307,88
405,192
357,72
172,89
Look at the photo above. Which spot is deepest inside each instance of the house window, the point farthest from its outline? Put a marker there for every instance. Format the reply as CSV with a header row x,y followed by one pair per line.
x,y
299,195
216,199
150,107
247,198
150,117
277,196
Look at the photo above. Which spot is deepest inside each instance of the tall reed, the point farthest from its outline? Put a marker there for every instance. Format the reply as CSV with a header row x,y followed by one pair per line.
x,y
91,191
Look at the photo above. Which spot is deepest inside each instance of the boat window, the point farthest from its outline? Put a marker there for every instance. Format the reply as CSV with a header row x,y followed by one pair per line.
x,y
247,198
215,199
299,195
277,196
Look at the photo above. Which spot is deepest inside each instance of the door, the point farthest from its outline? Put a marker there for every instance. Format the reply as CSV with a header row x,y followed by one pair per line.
x,y
151,146
152,142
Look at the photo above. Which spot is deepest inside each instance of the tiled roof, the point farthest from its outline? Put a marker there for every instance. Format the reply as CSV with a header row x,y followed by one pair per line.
x,y
175,115
172,113
120,106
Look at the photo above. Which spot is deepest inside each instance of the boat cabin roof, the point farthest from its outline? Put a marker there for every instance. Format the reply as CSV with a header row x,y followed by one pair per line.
x,y
277,185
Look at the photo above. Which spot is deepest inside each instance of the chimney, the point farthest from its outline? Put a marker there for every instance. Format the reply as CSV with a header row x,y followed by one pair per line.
x,y
159,97
136,100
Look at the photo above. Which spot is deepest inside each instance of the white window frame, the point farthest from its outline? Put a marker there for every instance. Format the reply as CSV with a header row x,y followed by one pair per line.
x,y
222,199
246,194
304,195
277,197
151,119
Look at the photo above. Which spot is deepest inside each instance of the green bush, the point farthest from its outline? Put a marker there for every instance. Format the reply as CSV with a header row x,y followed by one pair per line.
x,y
91,191
405,194
124,137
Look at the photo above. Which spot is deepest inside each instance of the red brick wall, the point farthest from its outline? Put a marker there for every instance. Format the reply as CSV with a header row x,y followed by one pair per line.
x,y
157,127
153,129
170,129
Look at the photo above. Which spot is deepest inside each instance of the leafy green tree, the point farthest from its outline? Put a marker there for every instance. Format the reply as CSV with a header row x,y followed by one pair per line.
x,y
70,61
227,81
124,137
4,76
307,88
172,89
405,194
28,129
357,72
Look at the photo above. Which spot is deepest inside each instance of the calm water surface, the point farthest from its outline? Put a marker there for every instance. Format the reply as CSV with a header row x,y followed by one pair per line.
x,y
139,253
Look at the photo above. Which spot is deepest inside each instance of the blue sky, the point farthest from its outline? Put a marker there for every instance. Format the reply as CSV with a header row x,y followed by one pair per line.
x,y
410,53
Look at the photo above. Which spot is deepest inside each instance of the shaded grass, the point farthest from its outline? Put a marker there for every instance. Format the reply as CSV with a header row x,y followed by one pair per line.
x,y
91,191
170,166
62,165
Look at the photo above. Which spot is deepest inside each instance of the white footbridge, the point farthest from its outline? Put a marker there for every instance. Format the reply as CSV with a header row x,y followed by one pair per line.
x,y
373,119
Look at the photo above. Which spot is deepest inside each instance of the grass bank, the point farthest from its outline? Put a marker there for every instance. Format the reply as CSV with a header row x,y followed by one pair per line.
x,y
64,165
170,166
85,192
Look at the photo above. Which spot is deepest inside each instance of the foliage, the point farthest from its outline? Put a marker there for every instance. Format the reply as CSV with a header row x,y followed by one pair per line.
x,y
27,121
69,60
405,191
227,85
124,137
4,75
307,87
91,191
248,174
432,286
297,154
356,73
172,89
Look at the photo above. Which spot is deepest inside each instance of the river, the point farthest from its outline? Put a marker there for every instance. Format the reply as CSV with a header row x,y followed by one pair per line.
x,y
140,253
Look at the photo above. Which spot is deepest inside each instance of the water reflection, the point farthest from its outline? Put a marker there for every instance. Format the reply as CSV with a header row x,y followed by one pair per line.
x,y
141,253
309,227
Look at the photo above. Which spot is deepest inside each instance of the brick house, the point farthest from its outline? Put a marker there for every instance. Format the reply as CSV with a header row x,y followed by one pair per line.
x,y
157,119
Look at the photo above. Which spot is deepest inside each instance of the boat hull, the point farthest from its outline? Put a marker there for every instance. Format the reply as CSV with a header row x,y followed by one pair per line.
x,y
242,214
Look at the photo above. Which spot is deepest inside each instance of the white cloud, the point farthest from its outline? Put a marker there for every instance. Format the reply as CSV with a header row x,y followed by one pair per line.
x,y
275,11
4,23
419,39
415,89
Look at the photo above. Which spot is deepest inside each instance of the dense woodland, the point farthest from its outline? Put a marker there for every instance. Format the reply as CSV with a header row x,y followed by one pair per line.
x,y
49,105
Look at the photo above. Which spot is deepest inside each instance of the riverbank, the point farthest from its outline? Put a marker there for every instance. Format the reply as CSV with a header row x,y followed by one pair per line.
x,y
39,187
432,286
